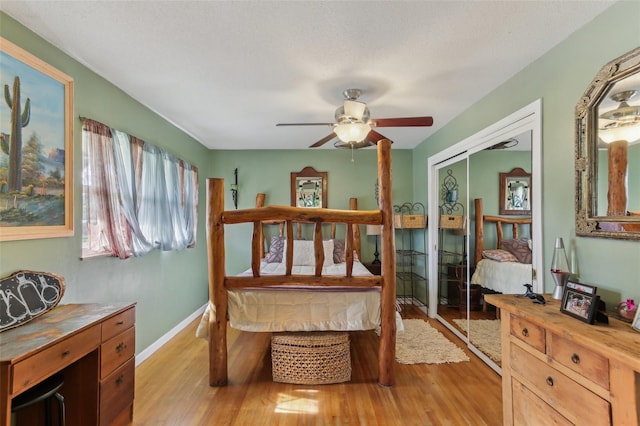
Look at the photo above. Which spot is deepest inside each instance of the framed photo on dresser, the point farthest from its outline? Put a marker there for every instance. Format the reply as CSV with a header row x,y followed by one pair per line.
x,y
580,301
636,321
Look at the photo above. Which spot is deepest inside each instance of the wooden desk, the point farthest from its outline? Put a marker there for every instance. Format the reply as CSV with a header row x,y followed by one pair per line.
x,y
559,370
91,345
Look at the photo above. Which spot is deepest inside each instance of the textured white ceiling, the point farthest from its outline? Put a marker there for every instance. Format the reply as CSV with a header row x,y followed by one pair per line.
x,y
227,71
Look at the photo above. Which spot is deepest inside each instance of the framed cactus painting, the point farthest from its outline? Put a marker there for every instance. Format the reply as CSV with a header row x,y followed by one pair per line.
x,y
36,147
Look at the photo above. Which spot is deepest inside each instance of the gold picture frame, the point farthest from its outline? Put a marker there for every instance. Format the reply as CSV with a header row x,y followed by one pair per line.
x,y
36,155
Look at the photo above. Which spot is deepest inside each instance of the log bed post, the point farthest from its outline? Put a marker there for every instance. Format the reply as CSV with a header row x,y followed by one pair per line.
x,y
260,203
217,291
353,205
387,348
479,240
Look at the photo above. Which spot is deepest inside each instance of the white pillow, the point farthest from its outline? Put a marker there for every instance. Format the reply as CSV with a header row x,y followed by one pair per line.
x,y
304,255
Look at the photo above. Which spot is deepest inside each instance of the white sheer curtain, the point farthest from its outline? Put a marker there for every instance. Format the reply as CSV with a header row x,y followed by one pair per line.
x,y
137,196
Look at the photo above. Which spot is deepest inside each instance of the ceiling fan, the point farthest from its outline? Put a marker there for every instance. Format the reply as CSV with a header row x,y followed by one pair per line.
x,y
353,126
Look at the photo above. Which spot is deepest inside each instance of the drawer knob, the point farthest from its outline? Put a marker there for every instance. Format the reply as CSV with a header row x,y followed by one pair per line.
x,y
120,323
66,353
550,381
575,358
120,347
525,332
120,379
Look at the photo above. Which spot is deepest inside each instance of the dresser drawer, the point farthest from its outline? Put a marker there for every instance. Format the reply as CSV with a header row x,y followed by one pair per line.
x,y
528,332
37,367
571,400
587,363
115,351
118,323
529,410
116,392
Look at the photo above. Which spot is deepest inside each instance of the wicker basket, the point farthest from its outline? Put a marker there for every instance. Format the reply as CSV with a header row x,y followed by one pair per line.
x,y
410,221
451,221
314,358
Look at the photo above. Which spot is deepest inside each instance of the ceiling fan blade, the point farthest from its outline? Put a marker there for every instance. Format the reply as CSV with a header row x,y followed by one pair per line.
x,y
304,124
374,137
403,122
323,140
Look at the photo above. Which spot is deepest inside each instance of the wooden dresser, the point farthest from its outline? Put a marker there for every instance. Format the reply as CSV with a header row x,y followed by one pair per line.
x,y
91,345
559,370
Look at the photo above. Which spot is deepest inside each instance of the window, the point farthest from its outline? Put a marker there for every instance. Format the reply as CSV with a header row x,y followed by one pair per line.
x,y
136,196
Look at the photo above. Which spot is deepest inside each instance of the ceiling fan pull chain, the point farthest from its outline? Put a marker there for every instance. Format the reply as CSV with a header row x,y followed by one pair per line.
x,y
352,160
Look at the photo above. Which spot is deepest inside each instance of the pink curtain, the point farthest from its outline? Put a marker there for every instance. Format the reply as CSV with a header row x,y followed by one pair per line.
x,y
137,197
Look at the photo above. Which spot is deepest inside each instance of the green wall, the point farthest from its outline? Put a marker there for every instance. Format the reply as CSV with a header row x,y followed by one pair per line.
x,y
560,78
167,286
269,171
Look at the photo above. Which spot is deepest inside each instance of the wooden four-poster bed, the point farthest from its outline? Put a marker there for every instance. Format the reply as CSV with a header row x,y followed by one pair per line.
x,y
322,275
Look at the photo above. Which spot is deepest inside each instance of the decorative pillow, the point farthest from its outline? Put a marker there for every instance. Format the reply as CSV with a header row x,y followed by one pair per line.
x,y
519,247
339,247
276,248
499,255
304,254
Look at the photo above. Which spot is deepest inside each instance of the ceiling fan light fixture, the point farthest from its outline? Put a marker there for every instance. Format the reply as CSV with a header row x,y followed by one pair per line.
x,y
624,112
352,111
623,121
620,131
352,132
357,110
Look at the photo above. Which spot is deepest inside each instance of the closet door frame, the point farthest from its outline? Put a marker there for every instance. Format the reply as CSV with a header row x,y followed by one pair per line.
x,y
528,118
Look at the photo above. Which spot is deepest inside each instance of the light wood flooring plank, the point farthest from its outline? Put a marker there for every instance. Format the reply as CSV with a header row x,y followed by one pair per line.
x,y
172,388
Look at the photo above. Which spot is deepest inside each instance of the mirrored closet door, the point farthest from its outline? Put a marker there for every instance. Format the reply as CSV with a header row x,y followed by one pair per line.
x,y
452,242
497,175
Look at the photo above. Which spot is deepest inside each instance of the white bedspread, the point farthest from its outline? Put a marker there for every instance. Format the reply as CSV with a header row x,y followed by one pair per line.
x,y
300,308
504,277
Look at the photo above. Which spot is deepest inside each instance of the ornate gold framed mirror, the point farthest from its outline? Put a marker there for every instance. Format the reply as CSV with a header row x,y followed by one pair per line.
x,y
607,152
309,188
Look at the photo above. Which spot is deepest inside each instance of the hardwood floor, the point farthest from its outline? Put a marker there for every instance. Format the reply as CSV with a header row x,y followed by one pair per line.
x,y
172,388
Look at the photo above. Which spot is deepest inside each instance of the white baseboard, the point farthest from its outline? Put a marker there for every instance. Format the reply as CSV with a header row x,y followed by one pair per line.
x,y
142,356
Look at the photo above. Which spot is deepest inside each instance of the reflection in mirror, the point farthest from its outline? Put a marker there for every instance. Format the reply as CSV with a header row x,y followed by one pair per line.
x,y
501,245
452,245
308,192
619,149
608,152
309,188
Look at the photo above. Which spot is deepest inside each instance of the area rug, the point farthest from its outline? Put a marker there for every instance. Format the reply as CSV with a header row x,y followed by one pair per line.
x,y
420,343
484,335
